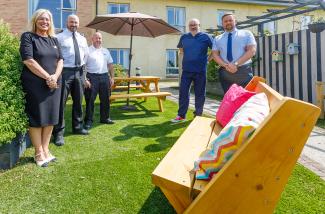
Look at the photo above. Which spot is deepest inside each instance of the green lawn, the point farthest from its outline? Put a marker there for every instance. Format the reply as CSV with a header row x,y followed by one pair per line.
x,y
109,170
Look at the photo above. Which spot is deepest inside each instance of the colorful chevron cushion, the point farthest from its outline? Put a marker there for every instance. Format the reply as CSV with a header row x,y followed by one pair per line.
x,y
246,119
233,99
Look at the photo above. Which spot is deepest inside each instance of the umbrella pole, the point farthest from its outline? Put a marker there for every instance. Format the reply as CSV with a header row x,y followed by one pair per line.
x,y
128,106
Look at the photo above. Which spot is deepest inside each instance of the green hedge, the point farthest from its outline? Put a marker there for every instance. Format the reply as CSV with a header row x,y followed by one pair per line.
x,y
13,119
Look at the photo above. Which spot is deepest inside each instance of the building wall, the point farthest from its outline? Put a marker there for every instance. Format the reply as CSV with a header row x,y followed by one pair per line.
x,y
150,53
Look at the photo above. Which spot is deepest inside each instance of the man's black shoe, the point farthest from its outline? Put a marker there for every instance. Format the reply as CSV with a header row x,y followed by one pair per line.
x,y
108,121
88,125
58,140
81,131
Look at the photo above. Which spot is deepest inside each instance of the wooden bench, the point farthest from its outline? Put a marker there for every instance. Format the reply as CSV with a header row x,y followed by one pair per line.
x,y
160,96
320,96
253,179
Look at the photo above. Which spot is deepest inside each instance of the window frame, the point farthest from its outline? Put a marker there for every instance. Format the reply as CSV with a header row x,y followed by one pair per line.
x,y
119,58
119,6
219,16
176,67
62,9
182,28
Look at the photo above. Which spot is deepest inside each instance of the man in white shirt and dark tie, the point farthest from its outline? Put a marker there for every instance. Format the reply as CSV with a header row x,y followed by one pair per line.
x,y
233,51
74,50
100,79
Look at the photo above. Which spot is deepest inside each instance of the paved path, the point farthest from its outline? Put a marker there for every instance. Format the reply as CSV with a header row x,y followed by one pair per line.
x,y
313,154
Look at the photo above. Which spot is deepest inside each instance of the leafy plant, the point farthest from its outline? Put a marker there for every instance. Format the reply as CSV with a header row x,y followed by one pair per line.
x,y
212,71
119,71
13,119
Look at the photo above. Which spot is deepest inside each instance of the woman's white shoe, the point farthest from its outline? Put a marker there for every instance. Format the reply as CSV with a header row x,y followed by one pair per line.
x,y
51,158
40,163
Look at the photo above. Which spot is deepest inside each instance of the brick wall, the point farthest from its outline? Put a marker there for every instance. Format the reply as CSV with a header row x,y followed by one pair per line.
x,y
15,12
86,10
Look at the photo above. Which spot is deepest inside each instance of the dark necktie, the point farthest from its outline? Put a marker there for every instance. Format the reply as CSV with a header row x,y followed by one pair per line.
x,y
229,48
77,60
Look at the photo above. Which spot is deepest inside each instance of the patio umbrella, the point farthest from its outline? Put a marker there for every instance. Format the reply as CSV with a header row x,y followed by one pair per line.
x,y
132,24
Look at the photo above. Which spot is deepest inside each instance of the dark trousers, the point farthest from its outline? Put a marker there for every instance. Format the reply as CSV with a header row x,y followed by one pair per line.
x,y
72,82
100,84
199,80
242,77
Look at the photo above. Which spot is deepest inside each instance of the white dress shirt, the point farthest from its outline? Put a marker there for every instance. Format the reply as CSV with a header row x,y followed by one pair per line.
x,y
97,60
67,47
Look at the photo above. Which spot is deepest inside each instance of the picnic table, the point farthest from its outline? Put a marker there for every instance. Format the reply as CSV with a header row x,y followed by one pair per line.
x,y
144,83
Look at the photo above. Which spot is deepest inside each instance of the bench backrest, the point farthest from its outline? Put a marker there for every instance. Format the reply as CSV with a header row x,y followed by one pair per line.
x,y
252,181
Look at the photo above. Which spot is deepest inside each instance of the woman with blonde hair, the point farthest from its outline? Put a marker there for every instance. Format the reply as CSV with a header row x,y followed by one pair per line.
x,y
43,62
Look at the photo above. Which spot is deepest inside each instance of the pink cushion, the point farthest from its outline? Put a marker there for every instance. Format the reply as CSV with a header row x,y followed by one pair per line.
x,y
233,99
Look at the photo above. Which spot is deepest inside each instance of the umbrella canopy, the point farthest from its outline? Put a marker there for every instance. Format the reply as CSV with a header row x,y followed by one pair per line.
x,y
133,23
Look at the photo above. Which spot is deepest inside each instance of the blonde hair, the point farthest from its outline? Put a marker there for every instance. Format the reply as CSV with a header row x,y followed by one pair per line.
x,y
36,15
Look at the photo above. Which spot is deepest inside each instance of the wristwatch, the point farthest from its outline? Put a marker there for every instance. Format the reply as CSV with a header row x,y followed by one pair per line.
x,y
236,63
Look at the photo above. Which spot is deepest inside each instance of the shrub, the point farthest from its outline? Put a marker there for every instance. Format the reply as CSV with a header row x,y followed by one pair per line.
x,y
212,71
13,119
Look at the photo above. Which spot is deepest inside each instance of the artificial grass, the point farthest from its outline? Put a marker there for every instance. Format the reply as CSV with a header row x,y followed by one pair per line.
x,y
109,171
321,123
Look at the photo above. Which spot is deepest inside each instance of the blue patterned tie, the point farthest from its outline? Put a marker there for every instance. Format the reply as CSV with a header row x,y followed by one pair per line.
x,y
229,48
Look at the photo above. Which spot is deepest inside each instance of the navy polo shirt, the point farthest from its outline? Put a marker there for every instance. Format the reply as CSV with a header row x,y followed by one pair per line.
x,y
195,51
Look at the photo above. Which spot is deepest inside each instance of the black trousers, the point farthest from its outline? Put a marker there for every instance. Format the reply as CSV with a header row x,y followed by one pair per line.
x,y
72,82
100,84
242,77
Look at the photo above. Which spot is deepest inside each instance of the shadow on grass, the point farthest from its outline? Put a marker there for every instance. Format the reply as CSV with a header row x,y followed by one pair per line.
x,y
139,112
25,160
156,203
158,131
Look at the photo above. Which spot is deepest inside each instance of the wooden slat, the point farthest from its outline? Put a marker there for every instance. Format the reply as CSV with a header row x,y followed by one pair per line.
x,y
126,87
140,95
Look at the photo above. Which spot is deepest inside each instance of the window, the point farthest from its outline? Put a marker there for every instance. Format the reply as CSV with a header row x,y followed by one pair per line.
x,y
120,56
176,17
269,28
220,13
304,21
60,9
171,62
117,8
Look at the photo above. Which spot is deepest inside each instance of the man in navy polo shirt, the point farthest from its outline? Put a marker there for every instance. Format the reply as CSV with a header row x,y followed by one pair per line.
x,y
194,46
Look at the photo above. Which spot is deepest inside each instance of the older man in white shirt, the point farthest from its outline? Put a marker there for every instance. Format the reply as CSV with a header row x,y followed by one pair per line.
x,y
100,79
74,50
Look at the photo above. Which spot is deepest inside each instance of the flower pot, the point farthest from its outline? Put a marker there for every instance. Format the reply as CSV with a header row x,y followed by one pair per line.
x,y
316,27
10,153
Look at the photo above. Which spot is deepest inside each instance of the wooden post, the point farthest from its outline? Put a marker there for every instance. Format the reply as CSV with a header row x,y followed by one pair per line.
x,y
320,97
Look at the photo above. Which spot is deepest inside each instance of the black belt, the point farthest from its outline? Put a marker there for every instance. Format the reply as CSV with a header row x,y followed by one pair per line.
x,y
95,74
73,68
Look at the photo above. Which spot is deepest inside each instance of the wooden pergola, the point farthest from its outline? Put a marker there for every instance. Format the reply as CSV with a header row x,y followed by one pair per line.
x,y
298,7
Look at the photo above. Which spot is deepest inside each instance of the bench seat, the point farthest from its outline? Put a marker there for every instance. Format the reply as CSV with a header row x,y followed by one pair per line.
x,y
253,179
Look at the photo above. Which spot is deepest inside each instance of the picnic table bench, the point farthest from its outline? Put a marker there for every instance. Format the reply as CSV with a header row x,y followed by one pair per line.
x,y
253,179
144,85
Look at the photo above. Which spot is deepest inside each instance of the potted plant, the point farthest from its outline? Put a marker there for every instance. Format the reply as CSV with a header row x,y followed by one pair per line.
x,y
13,121
317,26
213,85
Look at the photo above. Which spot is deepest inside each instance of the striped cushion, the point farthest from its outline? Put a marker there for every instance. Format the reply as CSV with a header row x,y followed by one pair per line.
x,y
246,119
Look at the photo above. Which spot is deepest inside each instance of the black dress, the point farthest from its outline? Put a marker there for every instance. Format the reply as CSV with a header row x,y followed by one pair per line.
x,y
42,103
